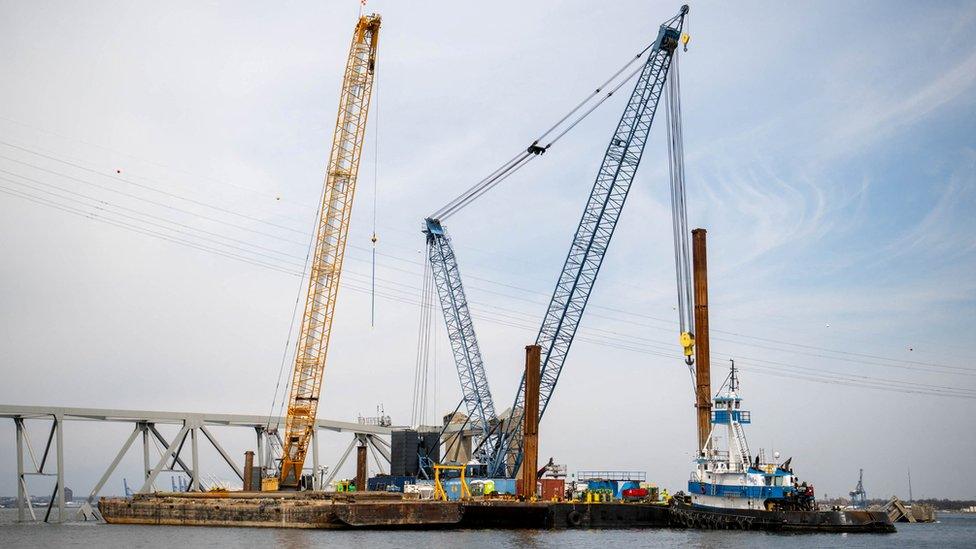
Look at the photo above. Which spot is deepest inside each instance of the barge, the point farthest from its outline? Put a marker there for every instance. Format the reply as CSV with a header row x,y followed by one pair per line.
x,y
372,511
319,510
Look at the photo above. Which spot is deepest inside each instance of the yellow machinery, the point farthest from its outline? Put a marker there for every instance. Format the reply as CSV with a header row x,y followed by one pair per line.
x,y
330,246
439,493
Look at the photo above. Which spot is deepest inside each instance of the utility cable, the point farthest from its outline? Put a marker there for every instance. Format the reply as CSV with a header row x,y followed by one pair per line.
x,y
879,384
98,213
291,327
99,206
261,193
100,203
148,200
908,365
149,188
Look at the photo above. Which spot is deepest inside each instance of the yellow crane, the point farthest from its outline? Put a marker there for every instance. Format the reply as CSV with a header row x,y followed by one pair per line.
x,y
330,246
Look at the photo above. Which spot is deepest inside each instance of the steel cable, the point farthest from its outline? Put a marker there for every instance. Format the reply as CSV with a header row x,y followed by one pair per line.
x,y
523,157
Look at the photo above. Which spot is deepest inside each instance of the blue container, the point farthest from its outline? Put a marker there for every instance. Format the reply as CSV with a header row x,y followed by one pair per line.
x,y
611,485
504,485
452,488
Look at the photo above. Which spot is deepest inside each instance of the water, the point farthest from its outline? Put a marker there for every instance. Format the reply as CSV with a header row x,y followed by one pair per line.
x,y
951,531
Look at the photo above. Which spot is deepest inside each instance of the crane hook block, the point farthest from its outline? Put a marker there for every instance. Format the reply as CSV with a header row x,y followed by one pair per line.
x,y
688,342
685,38
535,148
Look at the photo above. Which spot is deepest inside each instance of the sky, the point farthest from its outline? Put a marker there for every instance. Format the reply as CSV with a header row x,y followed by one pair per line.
x,y
160,168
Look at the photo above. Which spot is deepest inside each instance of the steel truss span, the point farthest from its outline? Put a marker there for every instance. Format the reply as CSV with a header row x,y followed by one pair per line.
x,y
194,428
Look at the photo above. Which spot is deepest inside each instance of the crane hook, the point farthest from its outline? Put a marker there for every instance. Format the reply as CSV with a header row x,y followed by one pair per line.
x,y
687,340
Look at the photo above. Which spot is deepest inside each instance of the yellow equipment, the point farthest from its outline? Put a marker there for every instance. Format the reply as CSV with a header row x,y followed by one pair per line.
x,y
688,343
269,484
439,493
330,246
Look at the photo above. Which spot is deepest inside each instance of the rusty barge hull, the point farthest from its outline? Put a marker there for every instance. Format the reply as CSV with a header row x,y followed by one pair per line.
x,y
283,510
380,511
322,511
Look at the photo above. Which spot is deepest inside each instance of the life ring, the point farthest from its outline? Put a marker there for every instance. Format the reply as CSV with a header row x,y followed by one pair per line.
x,y
574,518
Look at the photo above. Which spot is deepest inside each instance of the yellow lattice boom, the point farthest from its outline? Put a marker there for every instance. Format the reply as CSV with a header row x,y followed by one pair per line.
x,y
330,246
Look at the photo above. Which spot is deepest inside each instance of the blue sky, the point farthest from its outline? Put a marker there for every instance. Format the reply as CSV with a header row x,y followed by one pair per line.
x,y
830,155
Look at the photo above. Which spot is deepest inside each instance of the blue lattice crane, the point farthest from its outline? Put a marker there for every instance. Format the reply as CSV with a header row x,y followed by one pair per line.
x,y
464,344
503,448
593,234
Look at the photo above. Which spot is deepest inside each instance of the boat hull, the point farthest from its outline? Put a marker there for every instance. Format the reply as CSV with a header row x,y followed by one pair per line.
x,y
715,518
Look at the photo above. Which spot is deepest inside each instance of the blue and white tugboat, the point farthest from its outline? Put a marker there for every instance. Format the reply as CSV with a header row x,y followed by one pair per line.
x,y
731,489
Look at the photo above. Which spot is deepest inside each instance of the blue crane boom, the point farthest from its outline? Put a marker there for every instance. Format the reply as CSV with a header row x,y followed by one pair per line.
x,y
501,448
593,236
464,344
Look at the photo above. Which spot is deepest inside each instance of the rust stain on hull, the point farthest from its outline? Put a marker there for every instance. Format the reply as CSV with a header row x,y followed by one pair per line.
x,y
287,511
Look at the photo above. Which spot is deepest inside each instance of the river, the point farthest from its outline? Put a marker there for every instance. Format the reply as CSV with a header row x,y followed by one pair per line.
x,y
952,530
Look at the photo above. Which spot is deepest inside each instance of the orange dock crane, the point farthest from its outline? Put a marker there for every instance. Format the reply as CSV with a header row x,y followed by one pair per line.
x,y
330,246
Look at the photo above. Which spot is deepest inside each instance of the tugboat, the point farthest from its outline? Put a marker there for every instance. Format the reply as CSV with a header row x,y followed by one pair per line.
x,y
729,489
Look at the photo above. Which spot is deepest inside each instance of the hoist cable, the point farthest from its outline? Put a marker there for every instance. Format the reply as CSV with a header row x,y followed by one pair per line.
x,y
419,408
462,199
679,206
597,104
533,150
376,177
594,94
476,192
291,327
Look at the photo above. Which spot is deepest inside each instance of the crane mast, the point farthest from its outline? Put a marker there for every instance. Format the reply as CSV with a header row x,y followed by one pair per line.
x,y
330,245
593,235
464,344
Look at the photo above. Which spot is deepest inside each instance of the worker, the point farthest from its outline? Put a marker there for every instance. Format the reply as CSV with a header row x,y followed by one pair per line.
x,y
665,496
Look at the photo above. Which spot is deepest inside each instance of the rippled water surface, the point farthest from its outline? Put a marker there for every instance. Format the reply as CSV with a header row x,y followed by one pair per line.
x,y
950,531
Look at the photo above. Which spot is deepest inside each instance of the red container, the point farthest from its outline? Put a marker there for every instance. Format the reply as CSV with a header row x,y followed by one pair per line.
x,y
547,489
635,493
552,488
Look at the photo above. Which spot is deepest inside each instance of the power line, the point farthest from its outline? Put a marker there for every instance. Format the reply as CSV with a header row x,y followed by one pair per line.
x,y
293,264
144,160
183,229
901,363
154,234
150,188
484,279
99,203
816,376
144,199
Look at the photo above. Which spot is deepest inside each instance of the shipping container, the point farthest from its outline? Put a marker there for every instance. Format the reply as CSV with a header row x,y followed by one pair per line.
x,y
552,489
